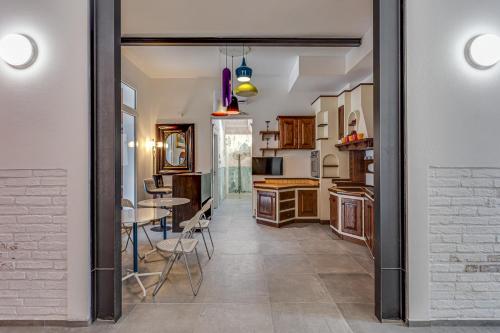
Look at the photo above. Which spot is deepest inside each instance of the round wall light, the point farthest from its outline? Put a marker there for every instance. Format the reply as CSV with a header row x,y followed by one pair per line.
x,y
18,51
483,51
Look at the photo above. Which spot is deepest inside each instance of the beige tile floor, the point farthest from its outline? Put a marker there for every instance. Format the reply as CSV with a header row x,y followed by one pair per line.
x,y
295,279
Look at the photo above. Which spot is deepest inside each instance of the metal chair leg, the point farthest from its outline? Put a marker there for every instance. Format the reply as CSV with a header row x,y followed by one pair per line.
x,y
129,239
205,242
164,274
211,240
147,236
189,273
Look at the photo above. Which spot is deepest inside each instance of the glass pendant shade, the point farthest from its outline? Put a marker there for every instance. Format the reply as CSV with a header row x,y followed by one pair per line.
x,y
246,89
226,87
244,73
233,108
220,112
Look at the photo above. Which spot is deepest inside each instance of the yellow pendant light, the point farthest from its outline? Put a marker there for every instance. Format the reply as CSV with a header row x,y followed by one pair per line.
x,y
246,89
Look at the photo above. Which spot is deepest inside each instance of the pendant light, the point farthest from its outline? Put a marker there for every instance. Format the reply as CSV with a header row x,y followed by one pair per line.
x,y
233,108
226,92
246,89
226,85
243,73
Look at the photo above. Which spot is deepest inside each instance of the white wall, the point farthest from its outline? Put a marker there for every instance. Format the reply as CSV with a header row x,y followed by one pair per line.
x,y
452,114
45,118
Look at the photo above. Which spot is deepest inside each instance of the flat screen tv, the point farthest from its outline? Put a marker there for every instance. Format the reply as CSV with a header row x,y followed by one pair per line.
x,y
270,166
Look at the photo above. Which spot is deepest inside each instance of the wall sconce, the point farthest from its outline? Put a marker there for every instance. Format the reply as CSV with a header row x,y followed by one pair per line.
x,y
18,51
483,51
159,144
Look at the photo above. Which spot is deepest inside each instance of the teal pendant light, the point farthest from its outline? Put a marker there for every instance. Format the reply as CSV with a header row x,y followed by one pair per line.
x,y
243,73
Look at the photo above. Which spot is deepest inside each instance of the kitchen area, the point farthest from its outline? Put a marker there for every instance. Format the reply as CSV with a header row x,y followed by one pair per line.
x,y
339,191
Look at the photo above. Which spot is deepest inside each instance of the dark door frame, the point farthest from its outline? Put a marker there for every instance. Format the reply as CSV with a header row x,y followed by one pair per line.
x,y
389,91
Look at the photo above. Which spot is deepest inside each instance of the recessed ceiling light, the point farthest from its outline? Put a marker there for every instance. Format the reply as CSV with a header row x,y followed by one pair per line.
x,y
483,51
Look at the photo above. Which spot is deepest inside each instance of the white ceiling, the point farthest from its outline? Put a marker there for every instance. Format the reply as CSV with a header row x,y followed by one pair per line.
x,y
206,61
298,18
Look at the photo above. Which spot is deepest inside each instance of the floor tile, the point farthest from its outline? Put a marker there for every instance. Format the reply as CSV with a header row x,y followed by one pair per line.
x,y
350,287
231,318
321,247
308,317
279,247
328,263
297,288
287,264
162,318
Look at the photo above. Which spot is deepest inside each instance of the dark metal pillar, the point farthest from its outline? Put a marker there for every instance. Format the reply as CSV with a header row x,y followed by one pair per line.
x,y
389,159
106,158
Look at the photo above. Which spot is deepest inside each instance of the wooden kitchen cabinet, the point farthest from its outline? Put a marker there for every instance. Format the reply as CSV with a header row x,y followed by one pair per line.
x,y
352,216
306,128
334,211
266,205
297,132
288,133
307,203
369,224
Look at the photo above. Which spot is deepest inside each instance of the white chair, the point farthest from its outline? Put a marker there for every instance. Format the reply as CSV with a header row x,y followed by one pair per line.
x,y
204,224
176,248
127,228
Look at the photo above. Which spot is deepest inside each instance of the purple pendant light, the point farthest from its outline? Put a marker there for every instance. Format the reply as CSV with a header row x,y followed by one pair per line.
x,y
226,85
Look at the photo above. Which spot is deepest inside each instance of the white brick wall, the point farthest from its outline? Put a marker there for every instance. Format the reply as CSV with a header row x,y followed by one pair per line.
x,y
33,244
464,234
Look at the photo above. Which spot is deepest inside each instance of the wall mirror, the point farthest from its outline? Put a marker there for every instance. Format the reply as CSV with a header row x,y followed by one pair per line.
x,y
175,149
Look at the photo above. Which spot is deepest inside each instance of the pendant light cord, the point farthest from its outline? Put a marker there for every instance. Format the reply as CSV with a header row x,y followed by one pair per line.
x,y
232,69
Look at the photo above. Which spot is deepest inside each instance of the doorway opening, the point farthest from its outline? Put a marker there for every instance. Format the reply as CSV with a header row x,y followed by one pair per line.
x,y
389,297
232,159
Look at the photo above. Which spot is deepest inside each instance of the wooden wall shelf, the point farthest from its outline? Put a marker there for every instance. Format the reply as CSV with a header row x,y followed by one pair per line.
x,y
364,144
274,150
276,134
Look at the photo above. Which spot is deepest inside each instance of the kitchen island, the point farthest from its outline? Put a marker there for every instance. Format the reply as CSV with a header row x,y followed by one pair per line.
x,y
282,201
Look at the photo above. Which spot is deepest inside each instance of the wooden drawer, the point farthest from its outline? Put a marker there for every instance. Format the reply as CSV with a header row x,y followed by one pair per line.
x,y
266,205
287,204
287,195
287,215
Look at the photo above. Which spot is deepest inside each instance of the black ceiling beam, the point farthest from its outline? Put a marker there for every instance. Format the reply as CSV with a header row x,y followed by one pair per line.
x,y
249,41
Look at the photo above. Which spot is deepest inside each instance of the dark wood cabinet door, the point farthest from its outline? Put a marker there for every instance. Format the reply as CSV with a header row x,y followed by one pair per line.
x,y
306,133
307,203
369,226
334,211
341,122
288,133
352,218
266,205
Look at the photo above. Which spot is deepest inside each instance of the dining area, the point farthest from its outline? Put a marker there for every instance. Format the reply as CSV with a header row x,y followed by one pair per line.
x,y
150,244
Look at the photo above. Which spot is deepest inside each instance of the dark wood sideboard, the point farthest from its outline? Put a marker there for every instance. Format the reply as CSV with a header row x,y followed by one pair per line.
x,y
196,187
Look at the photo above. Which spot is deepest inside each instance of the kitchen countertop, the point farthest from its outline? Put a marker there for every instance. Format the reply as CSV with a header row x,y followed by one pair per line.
x,y
357,190
286,183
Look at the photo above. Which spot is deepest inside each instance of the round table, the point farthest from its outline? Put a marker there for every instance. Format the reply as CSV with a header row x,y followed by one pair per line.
x,y
168,203
134,217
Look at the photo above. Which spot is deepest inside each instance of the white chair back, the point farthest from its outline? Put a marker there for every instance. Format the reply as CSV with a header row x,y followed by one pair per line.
x,y
126,203
189,227
206,207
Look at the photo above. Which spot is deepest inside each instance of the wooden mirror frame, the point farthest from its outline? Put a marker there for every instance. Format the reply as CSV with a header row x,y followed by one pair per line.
x,y
162,133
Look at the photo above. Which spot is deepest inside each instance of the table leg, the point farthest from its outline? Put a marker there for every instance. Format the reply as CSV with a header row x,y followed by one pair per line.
x,y
136,248
164,221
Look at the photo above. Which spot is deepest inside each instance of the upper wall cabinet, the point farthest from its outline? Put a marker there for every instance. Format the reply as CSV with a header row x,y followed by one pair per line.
x,y
297,132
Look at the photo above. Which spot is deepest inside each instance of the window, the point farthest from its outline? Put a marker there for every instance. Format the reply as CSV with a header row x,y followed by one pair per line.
x,y
129,96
